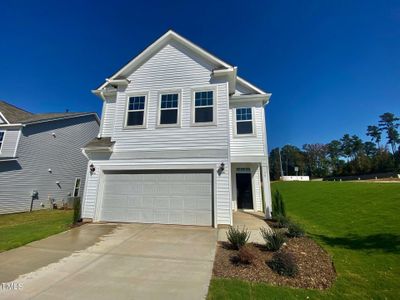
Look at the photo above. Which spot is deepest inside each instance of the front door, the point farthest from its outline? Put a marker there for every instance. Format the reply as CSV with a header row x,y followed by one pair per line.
x,y
244,191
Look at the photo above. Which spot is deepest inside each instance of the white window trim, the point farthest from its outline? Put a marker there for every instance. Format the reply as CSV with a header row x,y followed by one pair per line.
x,y
4,138
214,106
253,121
146,99
79,188
179,108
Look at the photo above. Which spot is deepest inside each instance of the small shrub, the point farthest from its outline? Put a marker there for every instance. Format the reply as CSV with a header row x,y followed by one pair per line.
x,y
294,230
283,263
282,222
278,206
237,237
77,210
245,255
274,239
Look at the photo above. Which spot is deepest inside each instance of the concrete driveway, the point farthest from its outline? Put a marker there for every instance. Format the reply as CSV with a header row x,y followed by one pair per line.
x,y
112,261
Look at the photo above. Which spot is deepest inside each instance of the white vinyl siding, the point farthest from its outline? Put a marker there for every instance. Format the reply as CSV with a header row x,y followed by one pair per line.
x,y
93,191
172,68
107,125
252,144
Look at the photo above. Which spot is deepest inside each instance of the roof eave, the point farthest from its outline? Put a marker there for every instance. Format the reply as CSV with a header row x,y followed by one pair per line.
x,y
170,34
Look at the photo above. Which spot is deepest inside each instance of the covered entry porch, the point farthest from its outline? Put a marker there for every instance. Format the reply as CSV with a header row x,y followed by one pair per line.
x,y
251,187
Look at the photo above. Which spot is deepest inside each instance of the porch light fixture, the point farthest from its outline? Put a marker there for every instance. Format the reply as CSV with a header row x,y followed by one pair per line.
x,y
222,166
92,168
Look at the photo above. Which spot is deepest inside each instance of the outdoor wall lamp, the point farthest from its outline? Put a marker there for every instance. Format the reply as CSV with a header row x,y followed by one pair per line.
x,y
221,169
92,168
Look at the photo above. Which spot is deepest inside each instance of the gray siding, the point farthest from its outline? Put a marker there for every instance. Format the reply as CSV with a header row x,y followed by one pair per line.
x,y
38,151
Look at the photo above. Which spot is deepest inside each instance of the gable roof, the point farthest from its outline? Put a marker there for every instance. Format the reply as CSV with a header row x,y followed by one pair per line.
x,y
15,115
120,77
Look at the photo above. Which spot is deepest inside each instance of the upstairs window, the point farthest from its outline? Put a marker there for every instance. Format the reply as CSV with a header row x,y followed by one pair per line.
x,y
204,107
244,121
1,139
136,111
169,109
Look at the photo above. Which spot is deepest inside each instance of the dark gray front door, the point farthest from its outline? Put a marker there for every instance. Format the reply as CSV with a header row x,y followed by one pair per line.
x,y
244,191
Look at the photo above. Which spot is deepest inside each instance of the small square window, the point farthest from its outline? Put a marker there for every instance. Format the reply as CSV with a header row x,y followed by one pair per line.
x,y
244,121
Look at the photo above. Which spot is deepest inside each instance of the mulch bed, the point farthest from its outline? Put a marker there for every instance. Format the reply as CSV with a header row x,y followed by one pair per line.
x,y
316,270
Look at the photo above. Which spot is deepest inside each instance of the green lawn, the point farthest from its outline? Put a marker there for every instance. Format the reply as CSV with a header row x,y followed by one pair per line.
x,y
357,223
22,228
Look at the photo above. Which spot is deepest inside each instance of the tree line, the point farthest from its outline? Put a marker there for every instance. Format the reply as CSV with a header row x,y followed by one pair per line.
x,y
349,155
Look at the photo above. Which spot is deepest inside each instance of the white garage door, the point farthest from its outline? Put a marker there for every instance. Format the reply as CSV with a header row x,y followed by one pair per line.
x,y
158,197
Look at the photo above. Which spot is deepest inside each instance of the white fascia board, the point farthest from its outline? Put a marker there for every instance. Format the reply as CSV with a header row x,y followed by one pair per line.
x,y
16,125
150,50
122,81
104,92
249,85
256,97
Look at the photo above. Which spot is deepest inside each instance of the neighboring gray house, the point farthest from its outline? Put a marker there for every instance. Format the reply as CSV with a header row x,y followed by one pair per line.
x,y
43,153
182,141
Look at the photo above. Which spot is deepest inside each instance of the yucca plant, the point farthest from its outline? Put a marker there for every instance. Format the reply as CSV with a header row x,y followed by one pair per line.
x,y
294,230
274,239
237,237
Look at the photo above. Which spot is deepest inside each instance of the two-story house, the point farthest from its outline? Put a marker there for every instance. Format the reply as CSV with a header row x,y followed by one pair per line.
x,y
182,141
41,159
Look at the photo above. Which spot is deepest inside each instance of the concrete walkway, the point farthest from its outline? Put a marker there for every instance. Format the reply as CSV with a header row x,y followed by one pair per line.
x,y
129,261
252,221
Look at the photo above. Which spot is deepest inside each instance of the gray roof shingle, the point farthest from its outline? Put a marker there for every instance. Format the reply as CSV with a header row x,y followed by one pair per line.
x,y
13,114
16,115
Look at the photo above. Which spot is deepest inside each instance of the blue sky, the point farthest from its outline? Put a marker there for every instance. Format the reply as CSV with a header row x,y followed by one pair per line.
x,y
332,66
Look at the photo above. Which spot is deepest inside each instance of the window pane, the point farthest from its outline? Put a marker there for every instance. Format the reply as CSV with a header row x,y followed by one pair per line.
x,y
204,98
169,116
136,103
77,183
243,114
169,101
135,118
203,114
244,127
1,136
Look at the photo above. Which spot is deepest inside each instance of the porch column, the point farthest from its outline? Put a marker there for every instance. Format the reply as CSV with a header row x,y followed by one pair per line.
x,y
266,189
